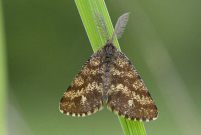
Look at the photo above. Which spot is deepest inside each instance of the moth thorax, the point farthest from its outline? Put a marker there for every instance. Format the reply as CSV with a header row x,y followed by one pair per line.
x,y
109,50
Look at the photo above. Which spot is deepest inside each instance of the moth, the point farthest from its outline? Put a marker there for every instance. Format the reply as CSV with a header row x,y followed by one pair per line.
x,y
109,77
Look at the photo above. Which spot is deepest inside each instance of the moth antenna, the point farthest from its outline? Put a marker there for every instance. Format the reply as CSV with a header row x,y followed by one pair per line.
x,y
101,25
120,26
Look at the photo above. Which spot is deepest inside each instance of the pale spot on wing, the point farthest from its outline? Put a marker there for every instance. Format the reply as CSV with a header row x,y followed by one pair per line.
x,y
85,71
121,62
142,100
114,71
124,90
96,71
94,85
71,105
83,99
130,74
130,103
90,87
95,61
78,81
138,84
119,87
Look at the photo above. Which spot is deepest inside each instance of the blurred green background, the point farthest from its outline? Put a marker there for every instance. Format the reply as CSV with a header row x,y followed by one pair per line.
x,y
46,45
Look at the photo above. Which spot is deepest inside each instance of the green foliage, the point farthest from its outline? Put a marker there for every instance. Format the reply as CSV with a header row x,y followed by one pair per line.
x,y
2,75
88,10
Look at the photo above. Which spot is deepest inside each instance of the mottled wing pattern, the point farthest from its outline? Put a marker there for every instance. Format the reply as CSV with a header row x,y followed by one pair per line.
x,y
128,95
84,96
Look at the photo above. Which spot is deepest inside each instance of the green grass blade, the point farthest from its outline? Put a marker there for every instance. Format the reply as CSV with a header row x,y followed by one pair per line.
x,y
87,10
3,77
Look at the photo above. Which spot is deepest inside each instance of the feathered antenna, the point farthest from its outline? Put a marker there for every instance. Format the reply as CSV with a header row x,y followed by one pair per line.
x,y
120,26
102,27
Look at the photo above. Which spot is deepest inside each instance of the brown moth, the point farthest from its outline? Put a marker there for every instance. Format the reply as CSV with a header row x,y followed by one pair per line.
x,y
109,77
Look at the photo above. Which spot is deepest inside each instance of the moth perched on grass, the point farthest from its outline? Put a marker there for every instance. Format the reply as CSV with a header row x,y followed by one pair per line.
x,y
108,77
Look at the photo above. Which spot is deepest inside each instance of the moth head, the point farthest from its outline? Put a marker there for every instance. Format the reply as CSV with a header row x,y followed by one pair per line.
x,y
109,49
